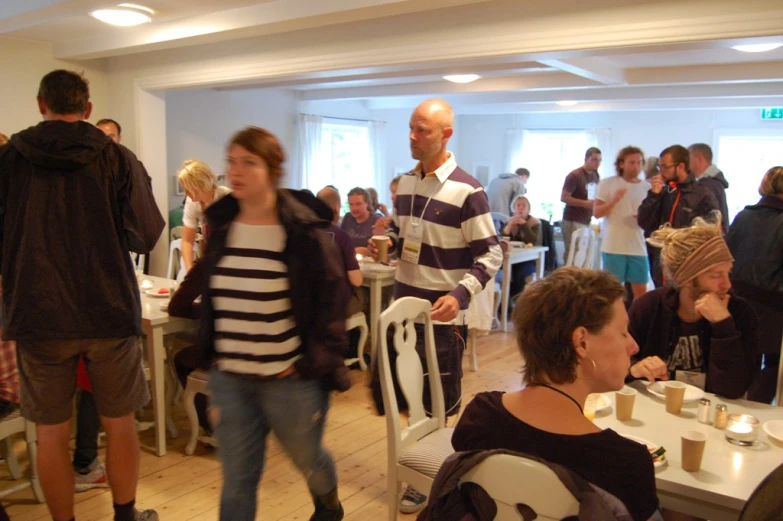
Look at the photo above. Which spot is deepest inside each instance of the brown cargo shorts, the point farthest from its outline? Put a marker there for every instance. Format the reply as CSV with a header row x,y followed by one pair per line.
x,y
47,371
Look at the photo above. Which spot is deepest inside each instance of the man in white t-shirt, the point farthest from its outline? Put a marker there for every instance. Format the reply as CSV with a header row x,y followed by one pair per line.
x,y
623,249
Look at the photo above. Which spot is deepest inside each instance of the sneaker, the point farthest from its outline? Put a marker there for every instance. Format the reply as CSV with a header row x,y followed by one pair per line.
x,y
146,515
95,478
412,501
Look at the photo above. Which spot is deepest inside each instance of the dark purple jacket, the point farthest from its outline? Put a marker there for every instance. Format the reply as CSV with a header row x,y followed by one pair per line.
x,y
729,358
319,292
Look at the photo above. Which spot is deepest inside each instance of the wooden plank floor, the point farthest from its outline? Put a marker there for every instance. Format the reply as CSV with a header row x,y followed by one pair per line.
x,y
184,488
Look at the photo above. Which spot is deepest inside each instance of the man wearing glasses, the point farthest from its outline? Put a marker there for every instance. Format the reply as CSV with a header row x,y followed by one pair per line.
x,y
675,199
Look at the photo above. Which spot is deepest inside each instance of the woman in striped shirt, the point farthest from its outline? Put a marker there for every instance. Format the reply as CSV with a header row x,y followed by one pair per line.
x,y
273,326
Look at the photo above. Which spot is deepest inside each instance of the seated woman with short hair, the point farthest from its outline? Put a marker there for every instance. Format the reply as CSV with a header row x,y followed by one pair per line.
x,y
572,331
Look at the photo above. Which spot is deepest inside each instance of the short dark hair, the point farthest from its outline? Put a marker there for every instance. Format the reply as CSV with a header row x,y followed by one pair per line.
x,y
523,171
65,92
679,155
107,121
623,154
591,151
262,143
703,149
549,311
363,193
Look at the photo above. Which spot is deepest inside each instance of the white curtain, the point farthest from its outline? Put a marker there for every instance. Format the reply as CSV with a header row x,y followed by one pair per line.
x,y
310,150
377,137
515,137
602,138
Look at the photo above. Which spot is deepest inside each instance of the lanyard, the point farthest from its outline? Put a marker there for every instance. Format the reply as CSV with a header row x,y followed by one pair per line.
x,y
413,200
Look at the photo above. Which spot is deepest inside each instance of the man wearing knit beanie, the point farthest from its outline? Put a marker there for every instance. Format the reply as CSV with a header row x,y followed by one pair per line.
x,y
694,328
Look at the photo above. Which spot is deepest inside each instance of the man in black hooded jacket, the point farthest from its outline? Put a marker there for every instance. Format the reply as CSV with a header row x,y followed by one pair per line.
x,y
72,205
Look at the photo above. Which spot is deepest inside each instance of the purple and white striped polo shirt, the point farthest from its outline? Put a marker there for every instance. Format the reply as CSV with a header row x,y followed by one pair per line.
x,y
460,250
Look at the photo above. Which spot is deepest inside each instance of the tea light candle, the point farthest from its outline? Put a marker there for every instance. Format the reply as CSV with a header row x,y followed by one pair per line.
x,y
742,429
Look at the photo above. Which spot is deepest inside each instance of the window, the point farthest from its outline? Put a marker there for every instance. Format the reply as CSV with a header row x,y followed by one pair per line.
x,y
550,155
744,157
342,153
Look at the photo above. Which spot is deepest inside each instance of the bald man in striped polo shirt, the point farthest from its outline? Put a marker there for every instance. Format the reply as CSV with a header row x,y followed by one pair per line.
x,y
448,249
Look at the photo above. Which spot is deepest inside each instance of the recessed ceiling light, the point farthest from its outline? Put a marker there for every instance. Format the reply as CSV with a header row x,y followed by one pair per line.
x,y
124,15
758,47
462,78
567,103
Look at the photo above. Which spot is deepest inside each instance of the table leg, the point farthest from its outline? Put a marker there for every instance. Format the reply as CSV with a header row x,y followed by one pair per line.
x,y
376,289
540,265
156,362
506,288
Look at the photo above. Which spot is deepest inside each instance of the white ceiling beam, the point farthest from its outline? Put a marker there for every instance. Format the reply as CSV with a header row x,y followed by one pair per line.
x,y
594,69
276,16
493,86
604,106
722,73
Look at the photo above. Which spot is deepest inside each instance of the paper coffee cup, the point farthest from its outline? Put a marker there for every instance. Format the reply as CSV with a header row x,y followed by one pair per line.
x,y
675,392
623,403
693,443
382,243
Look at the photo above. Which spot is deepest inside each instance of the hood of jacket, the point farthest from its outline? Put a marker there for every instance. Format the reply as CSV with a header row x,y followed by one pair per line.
x,y
714,173
61,146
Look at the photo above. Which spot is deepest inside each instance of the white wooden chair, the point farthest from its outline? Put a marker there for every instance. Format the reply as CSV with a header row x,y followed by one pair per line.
x,y
358,320
10,425
581,252
138,260
500,476
176,269
416,452
198,382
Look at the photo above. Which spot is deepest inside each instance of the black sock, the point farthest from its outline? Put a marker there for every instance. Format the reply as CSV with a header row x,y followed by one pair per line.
x,y
126,512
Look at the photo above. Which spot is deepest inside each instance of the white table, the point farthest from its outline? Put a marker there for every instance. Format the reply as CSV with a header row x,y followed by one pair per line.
x,y
376,276
513,256
157,323
729,473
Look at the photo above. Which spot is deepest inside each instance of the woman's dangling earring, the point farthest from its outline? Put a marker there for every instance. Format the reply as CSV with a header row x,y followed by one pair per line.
x,y
595,369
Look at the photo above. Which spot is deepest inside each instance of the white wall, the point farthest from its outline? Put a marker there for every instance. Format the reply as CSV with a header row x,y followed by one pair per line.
x,y
483,138
24,63
200,123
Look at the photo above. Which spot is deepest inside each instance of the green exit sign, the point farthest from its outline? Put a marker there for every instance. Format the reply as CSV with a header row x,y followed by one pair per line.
x,y
772,113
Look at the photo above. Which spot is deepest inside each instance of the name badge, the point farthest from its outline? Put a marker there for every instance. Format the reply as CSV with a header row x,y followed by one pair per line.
x,y
411,246
693,378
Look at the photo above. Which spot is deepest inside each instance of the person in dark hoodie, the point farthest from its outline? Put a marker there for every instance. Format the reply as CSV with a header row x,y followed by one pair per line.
x,y
710,177
273,326
675,199
73,204
695,329
756,241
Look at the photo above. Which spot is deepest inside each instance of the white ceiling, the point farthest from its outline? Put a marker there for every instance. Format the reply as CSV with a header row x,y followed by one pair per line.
x,y
697,70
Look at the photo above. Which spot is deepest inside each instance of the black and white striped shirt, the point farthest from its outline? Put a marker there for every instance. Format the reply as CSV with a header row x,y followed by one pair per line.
x,y
255,330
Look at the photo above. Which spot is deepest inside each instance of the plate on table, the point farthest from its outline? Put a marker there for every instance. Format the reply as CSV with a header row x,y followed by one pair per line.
x,y
774,429
692,393
156,293
602,403
657,452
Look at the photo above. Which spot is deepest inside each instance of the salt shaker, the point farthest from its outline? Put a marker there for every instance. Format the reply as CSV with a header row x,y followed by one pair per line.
x,y
704,410
721,416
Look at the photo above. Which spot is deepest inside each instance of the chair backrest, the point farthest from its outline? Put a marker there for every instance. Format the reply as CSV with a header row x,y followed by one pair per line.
x,y
410,374
581,251
502,475
499,220
138,260
766,502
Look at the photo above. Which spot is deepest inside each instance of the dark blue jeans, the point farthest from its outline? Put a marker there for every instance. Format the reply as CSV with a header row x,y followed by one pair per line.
x,y
245,412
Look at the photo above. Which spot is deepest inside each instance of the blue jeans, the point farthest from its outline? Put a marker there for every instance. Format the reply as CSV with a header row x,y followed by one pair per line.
x,y
246,410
